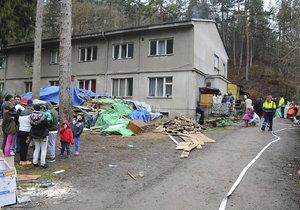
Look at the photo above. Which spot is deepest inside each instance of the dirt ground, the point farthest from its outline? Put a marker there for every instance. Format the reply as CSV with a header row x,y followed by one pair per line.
x,y
98,178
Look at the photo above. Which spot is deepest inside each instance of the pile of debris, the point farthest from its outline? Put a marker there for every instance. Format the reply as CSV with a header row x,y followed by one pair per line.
x,y
180,124
185,133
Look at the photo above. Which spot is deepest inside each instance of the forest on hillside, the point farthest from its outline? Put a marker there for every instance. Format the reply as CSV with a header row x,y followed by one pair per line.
x,y
262,41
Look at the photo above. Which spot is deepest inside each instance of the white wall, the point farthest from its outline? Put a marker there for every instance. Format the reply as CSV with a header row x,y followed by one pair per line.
x,y
207,43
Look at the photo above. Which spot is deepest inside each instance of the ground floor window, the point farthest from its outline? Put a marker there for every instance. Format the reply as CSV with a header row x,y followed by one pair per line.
x,y
54,83
160,86
87,84
122,87
28,87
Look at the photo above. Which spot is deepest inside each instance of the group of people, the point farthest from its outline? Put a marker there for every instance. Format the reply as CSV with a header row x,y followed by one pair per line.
x,y
25,123
267,109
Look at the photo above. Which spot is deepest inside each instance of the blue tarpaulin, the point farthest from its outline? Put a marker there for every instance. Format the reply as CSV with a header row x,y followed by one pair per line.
x,y
51,93
139,114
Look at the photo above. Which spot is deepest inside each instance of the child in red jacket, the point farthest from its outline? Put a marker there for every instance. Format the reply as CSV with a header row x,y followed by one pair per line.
x,y
66,138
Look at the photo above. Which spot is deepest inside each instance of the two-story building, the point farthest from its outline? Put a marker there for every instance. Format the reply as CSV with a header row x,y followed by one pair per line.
x,y
163,65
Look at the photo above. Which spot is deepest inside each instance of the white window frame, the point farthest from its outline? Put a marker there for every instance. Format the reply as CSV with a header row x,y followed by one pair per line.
x,y
89,84
27,57
53,53
120,51
3,62
55,82
165,50
30,86
126,87
165,83
216,58
85,54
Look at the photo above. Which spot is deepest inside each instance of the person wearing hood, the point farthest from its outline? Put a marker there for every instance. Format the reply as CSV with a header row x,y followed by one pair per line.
x,y
52,133
23,134
9,125
66,138
39,132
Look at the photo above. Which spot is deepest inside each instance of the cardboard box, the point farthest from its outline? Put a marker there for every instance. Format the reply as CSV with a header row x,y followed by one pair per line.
x,y
137,126
8,184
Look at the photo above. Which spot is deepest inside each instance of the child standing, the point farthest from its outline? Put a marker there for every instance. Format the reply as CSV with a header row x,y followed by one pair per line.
x,y
77,130
66,138
248,116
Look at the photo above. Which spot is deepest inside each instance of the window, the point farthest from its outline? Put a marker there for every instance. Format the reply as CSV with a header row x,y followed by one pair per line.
x,y
29,59
161,47
224,68
123,51
216,62
88,84
122,87
28,87
2,62
54,57
1,86
87,54
160,86
54,83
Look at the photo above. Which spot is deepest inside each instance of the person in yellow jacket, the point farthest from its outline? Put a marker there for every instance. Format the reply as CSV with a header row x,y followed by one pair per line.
x,y
282,105
269,108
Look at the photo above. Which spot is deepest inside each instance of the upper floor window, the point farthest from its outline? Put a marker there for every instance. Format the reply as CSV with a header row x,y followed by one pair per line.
x,y
29,59
123,51
87,54
122,87
224,68
2,62
28,87
54,83
216,62
87,84
54,57
160,86
161,47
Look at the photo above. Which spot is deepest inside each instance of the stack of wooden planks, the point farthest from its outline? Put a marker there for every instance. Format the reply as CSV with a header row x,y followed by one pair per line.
x,y
190,142
181,125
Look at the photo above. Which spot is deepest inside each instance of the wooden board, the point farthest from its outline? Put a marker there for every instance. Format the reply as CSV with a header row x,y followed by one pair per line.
x,y
184,154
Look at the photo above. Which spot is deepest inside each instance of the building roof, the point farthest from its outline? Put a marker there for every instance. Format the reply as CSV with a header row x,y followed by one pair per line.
x,y
161,26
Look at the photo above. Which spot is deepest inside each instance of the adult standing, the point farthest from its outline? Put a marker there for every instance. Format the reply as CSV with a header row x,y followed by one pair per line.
x,y
9,125
8,98
52,133
23,134
214,99
258,107
219,98
15,147
282,106
39,132
248,103
269,108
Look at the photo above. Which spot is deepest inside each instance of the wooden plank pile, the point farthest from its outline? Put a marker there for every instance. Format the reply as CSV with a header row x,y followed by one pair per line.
x,y
180,125
186,130
191,142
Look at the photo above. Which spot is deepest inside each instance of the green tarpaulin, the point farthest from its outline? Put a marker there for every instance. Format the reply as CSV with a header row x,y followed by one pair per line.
x,y
112,119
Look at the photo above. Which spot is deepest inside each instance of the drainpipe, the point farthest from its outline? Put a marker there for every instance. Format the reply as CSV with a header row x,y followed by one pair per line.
x,y
5,74
107,60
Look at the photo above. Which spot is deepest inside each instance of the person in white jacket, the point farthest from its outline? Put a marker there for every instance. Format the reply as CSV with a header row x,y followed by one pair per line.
x,y
23,135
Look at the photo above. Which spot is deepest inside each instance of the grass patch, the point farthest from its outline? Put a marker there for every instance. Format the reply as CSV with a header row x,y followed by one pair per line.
x,y
46,174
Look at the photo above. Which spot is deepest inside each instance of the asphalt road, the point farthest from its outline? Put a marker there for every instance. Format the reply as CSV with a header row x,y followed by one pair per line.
x,y
201,183
170,183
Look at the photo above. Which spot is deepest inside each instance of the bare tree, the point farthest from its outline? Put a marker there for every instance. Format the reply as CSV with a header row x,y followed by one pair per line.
x,y
36,76
65,106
